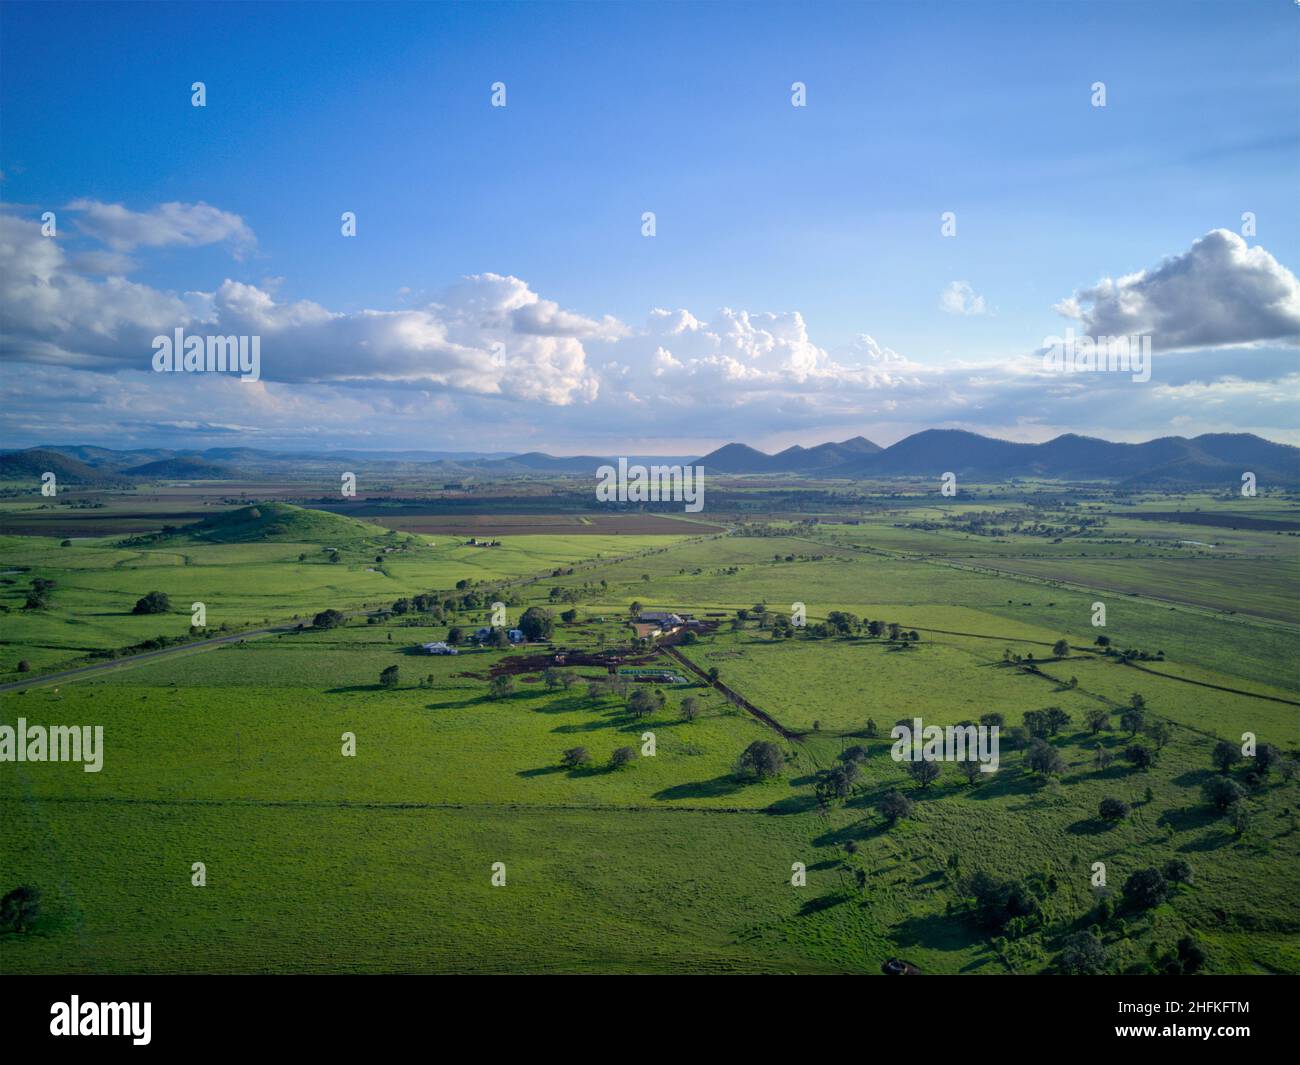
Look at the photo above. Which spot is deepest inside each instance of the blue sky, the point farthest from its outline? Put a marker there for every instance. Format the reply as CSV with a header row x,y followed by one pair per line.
x,y
828,212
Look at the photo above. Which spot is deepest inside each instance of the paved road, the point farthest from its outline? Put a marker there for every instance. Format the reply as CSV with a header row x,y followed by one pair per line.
x,y
144,656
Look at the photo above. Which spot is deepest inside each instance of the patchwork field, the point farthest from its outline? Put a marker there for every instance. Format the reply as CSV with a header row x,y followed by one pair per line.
x,y
382,859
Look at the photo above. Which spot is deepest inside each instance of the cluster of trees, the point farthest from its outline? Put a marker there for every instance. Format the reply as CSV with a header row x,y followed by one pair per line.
x,y
578,757
644,702
1130,655
838,781
761,760
558,678
1012,906
38,595
577,593
1227,794
839,623
153,603
537,623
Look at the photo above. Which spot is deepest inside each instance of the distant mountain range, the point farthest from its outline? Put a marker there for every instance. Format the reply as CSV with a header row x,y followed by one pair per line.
x,y
1212,458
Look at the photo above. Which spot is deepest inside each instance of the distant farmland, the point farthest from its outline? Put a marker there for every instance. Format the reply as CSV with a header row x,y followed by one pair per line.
x,y
541,524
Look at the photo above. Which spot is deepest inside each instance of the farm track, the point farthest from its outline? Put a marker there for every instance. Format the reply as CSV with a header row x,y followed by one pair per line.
x,y
734,697
1130,665
127,661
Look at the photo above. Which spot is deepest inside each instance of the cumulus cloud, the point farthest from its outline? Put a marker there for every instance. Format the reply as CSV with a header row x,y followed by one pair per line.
x,y
186,224
488,335
489,358
1218,293
960,298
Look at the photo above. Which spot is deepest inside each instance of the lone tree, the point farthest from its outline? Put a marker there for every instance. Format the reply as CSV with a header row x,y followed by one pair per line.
x,y
1159,733
552,678
1113,810
1266,757
328,619
153,603
388,678
1044,759
1222,793
537,623
690,708
1133,719
1225,755
762,759
622,756
642,703
500,687
837,783
924,771
1096,719
1145,888
1140,755
894,806
1084,954
575,757
1061,648
20,908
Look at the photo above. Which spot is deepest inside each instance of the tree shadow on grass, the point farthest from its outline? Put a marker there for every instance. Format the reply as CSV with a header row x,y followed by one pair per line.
x,y
1210,842
541,771
793,804
702,789
571,705
938,932
584,726
1089,826
825,902
859,832
1190,818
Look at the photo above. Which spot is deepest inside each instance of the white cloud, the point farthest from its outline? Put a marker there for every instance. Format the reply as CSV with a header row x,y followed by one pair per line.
x,y
186,224
960,298
491,359
1218,293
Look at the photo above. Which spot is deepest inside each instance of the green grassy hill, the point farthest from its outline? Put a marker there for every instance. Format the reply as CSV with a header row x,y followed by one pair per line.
x,y
281,522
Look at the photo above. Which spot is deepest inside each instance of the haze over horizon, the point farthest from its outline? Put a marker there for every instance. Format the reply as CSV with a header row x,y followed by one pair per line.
x,y
499,294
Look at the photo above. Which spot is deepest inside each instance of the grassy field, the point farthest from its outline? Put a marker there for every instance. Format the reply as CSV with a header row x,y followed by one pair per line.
x,y
383,861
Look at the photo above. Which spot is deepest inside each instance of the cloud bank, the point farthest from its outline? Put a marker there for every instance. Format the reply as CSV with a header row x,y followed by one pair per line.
x,y
490,363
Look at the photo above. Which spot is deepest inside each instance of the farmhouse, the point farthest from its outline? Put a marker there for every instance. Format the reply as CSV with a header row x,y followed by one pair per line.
x,y
646,630
439,648
485,633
